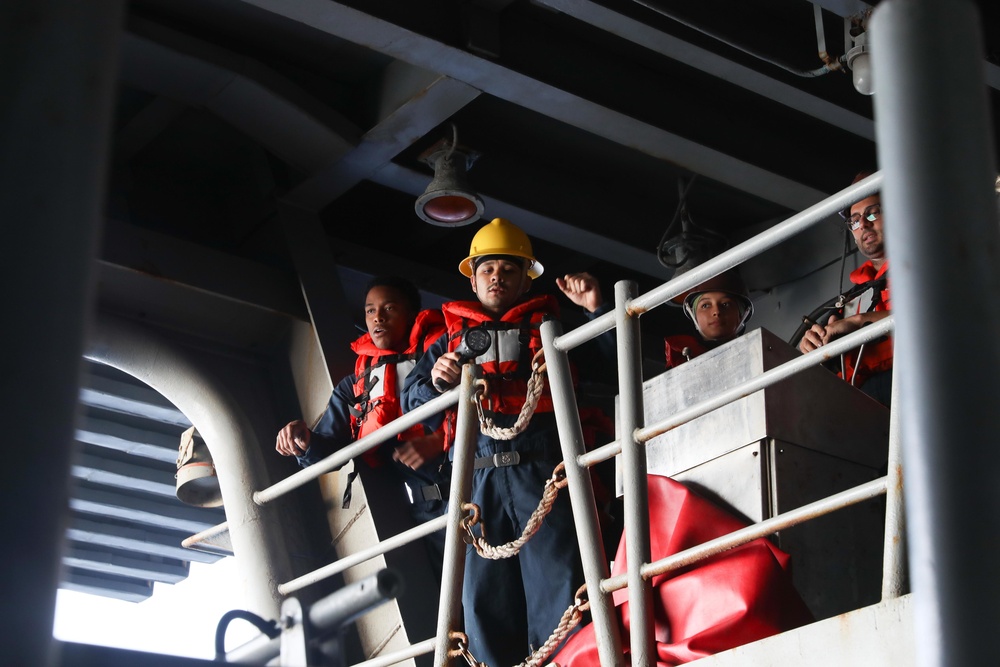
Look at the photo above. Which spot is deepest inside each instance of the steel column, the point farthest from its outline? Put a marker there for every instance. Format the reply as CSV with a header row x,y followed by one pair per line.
x,y
935,148
321,286
894,548
581,493
60,65
210,394
453,570
630,419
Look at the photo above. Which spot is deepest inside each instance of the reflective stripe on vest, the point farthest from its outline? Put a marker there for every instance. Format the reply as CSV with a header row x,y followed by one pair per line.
x,y
516,337
376,378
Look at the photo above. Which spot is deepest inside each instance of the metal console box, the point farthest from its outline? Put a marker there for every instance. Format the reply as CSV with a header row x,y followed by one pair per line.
x,y
777,449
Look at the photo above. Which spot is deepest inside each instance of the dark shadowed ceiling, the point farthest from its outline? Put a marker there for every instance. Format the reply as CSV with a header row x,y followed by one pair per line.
x,y
587,119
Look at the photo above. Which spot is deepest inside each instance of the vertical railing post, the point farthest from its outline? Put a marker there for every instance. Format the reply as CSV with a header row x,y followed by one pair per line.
x,y
630,418
894,548
581,493
453,570
935,148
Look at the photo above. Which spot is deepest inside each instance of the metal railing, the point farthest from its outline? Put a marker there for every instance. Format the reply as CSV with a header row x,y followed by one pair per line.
x,y
460,490
634,435
933,133
632,448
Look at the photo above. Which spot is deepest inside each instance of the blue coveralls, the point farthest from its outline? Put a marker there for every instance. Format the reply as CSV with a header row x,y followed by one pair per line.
x,y
333,431
511,606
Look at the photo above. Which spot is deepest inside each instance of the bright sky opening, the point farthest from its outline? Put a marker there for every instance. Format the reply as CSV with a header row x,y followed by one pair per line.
x,y
177,619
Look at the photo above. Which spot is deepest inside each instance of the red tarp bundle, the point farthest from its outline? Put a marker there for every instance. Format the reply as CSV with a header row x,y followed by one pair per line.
x,y
725,601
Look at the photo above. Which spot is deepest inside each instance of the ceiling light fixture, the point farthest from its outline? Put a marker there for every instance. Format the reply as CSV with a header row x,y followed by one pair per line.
x,y
860,63
448,200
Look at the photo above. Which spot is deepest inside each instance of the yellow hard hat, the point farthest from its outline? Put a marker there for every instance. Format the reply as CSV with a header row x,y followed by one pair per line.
x,y
501,237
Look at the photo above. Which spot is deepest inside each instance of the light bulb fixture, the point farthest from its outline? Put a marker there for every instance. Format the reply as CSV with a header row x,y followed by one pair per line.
x,y
448,200
197,483
860,63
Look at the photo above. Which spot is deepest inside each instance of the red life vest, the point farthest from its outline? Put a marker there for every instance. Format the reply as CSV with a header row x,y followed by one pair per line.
x,y
681,348
516,338
876,356
379,377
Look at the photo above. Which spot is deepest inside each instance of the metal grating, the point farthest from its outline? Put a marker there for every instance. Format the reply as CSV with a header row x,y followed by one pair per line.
x,y
126,524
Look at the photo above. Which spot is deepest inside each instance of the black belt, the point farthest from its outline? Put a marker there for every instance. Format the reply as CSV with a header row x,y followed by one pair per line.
x,y
504,459
425,493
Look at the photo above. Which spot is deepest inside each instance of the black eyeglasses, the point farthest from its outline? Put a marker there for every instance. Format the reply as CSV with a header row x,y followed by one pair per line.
x,y
871,214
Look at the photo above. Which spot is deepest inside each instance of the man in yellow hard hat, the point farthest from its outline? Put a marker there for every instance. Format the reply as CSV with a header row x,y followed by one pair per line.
x,y
511,605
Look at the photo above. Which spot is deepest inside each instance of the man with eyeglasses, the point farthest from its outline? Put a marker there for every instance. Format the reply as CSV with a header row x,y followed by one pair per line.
x,y
870,366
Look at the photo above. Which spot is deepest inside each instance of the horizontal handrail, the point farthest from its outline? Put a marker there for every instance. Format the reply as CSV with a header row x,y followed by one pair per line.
x,y
358,447
358,557
200,540
852,496
756,244
632,435
762,381
768,378
726,260
412,651
634,307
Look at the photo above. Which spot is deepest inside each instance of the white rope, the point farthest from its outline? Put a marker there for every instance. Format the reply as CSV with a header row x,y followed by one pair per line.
x,y
499,552
536,383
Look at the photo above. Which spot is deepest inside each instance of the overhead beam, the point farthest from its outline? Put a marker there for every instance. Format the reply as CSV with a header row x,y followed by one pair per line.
x,y
187,266
145,126
387,38
291,123
439,286
430,100
177,261
704,60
